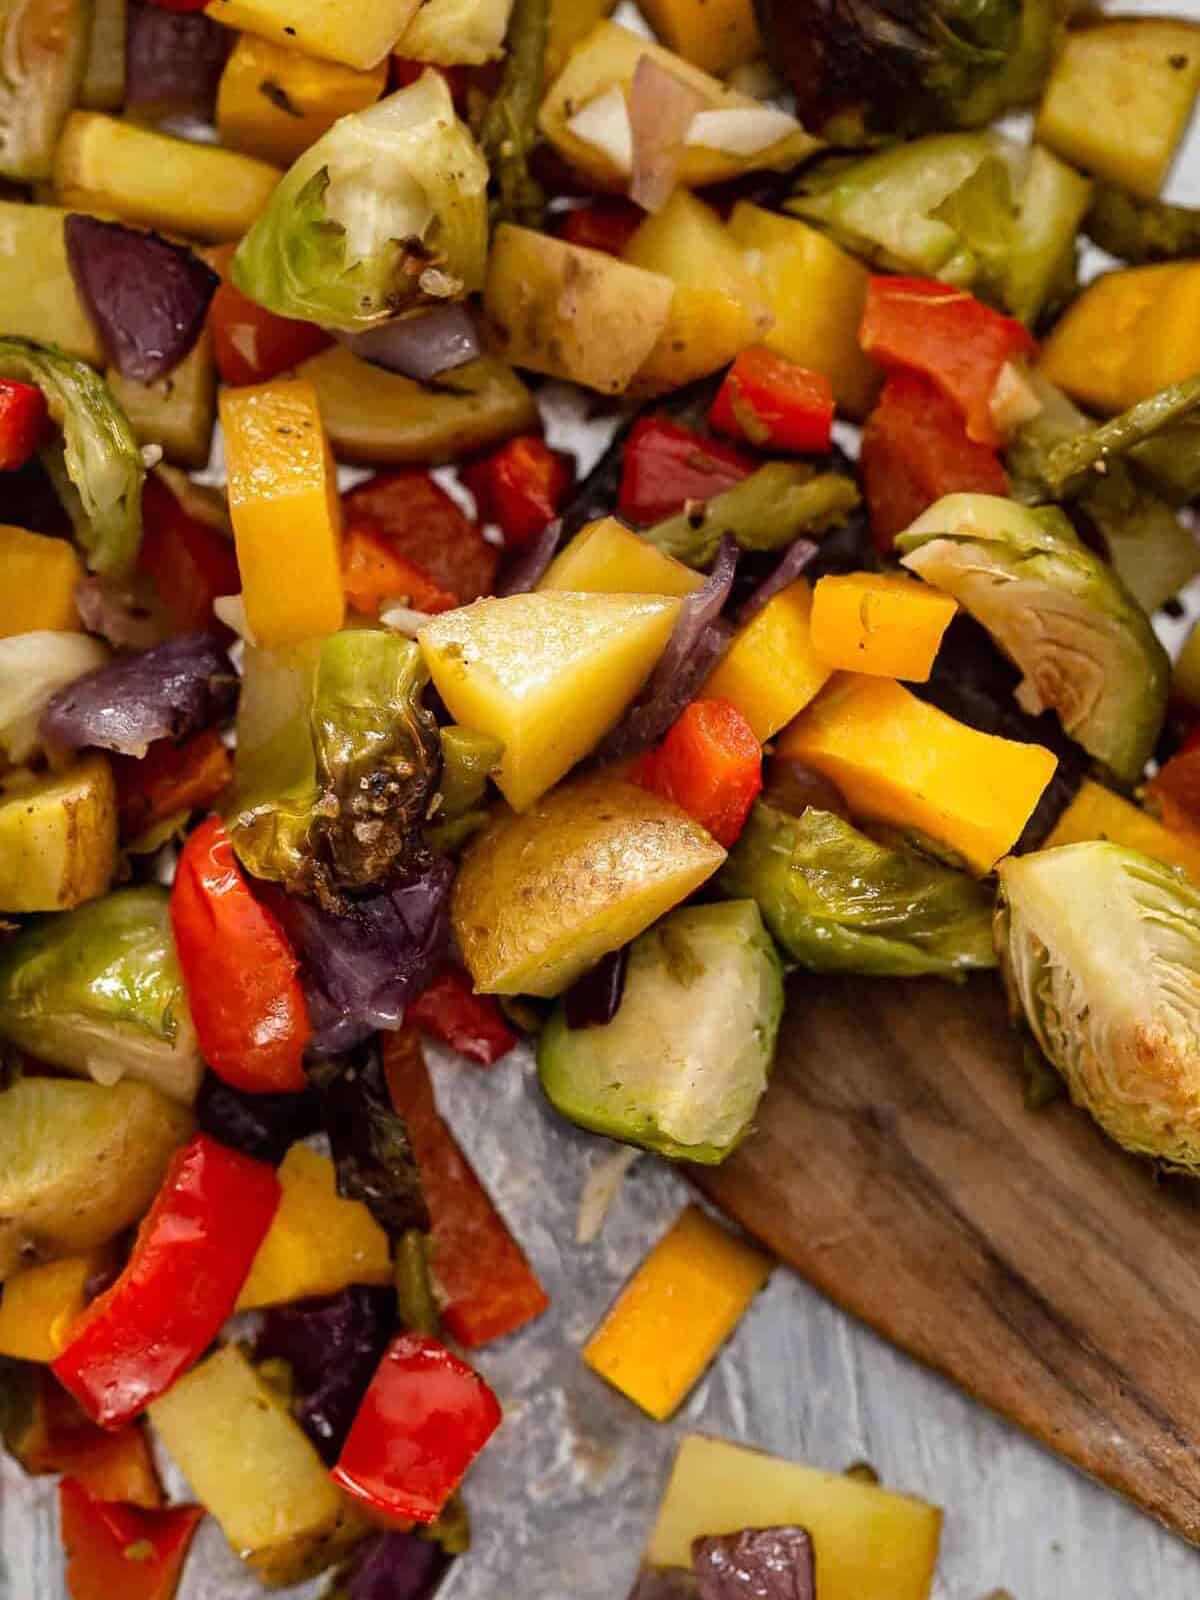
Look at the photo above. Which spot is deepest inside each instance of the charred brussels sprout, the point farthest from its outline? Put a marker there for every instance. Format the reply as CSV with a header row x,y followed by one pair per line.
x,y
45,47
1100,948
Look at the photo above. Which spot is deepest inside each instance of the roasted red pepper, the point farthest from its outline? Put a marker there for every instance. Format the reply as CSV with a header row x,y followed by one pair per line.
x,y
168,779
24,422
666,465
422,523
373,572
606,225
1175,789
60,1439
486,1287
250,343
119,1552
520,487
193,1252
189,563
473,1024
423,1420
710,765
406,71
239,970
914,450
775,403
954,340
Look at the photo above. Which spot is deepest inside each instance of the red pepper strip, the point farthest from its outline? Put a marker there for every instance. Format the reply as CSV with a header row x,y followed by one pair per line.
x,y
189,563
606,225
405,71
24,422
423,1420
119,1552
60,1439
775,403
1177,784
373,572
919,325
168,779
250,343
520,486
238,969
424,525
914,450
193,1252
666,465
473,1024
486,1287
710,765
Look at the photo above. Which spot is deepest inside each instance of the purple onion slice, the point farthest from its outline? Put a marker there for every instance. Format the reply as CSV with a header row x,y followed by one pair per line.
x,y
420,347
790,565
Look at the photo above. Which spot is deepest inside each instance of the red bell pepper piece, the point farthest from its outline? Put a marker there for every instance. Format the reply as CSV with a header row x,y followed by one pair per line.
x,y
775,403
119,1552
666,465
60,1439
423,524
1176,786
189,563
168,779
486,1287
473,1024
192,1255
606,225
423,1420
961,345
406,71
250,343
710,765
914,450
239,970
372,572
24,422
520,486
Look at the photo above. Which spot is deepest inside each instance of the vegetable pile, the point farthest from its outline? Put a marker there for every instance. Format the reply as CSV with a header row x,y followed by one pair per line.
x,y
303,772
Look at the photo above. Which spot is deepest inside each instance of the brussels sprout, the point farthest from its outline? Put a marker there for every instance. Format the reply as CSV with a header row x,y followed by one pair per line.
x,y
1085,647
1138,230
44,45
683,1064
98,990
1100,948
97,468
383,214
766,511
839,902
33,667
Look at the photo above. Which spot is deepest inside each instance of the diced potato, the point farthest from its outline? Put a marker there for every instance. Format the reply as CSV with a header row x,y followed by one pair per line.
x,y
79,1162
379,417
117,168
608,558
103,87
877,623
546,674
318,1243
570,22
178,411
676,1312
1098,813
40,574
1119,98
816,292
287,518
38,298
456,32
273,102
361,35
541,897
38,1306
705,330
58,836
771,671
870,1544
715,35
901,761
250,1464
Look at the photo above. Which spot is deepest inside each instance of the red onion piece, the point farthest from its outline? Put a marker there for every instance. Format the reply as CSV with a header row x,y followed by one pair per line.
x,y
790,565
527,571
173,63
147,297
593,1000
661,108
769,1563
420,347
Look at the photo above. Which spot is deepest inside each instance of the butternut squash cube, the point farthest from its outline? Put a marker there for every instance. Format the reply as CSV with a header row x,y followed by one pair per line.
x,y
360,35
716,35
608,558
38,592
880,624
676,1312
38,297
318,1243
870,1544
901,761
1098,813
39,1305
273,102
287,519
546,674
771,670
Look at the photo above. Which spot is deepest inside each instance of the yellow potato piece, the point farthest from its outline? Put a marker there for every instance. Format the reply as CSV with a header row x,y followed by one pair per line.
x,y
1098,813
771,670
716,35
608,558
273,102
38,298
38,592
58,836
178,411
546,674
360,34
880,624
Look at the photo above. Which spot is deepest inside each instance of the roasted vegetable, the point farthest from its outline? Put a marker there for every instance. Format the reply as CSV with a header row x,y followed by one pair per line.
x,y
58,837
177,412
33,667
385,212
103,86
510,130
875,622
837,901
766,511
79,1162
323,28
41,574
1097,943
1085,647
45,46
683,1063
97,468
173,61
716,38
607,558
39,299
97,990
452,33
274,102
1099,813
770,670
1139,231
728,1564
